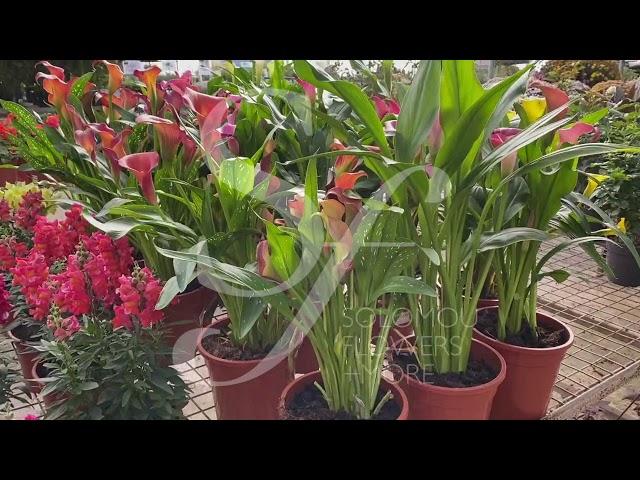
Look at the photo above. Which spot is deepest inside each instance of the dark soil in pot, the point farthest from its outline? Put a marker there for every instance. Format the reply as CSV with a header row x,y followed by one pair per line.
x,y
27,333
487,323
477,373
309,404
220,345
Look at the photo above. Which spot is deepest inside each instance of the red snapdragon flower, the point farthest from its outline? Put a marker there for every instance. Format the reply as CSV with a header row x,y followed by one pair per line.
x,y
31,274
30,209
5,211
108,261
6,127
5,304
10,250
72,295
139,293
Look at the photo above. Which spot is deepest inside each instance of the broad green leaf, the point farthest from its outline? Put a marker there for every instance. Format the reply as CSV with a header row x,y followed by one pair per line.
x,y
403,284
419,109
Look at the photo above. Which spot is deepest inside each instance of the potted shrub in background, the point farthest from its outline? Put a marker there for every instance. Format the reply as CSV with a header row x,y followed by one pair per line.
x,y
618,194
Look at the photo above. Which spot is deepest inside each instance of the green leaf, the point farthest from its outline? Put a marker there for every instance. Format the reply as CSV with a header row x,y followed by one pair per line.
x,y
419,109
282,247
558,275
169,291
350,93
79,85
88,386
114,202
403,284
184,268
509,236
460,90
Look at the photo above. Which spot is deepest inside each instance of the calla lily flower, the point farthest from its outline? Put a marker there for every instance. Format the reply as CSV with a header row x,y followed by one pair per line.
x,y
110,139
309,90
573,133
113,158
169,134
347,181
71,114
265,163
554,96
141,165
499,137
296,206
436,137
87,140
344,163
534,107
189,147
593,183
385,106
338,230
57,89
211,112
265,266
116,76
53,70
352,205
149,77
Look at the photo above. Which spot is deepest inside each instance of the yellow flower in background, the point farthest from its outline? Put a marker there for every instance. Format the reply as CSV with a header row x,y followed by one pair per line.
x,y
594,182
622,225
12,193
534,107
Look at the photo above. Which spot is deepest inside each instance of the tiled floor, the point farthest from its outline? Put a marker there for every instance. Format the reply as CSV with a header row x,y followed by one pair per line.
x,y
595,380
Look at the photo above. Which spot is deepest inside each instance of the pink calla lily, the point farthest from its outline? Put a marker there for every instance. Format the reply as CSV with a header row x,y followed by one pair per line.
x,y
141,165
385,106
265,266
189,147
296,206
309,90
436,137
87,140
499,137
573,133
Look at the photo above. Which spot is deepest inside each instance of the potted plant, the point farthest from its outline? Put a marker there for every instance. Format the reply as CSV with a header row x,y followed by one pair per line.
x,y
532,343
21,208
12,386
618,194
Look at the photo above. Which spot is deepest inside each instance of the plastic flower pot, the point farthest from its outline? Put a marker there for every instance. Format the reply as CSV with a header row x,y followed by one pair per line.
x,y
26,353
432,402
531,373
306,361
184,316
38,372
300,383
625,269
245,389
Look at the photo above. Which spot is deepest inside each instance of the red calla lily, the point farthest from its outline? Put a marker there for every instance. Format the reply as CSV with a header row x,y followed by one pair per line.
x,y
554,96
53,70
344,163
385,106
169,134
189,147
347,181
141,165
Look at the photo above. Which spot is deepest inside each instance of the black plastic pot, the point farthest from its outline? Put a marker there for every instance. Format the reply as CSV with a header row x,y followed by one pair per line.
x,y
625,268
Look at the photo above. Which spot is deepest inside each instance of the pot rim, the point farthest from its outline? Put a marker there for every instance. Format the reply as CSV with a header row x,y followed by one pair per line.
x,y
530,350
317,376
225,318
18,340
465,391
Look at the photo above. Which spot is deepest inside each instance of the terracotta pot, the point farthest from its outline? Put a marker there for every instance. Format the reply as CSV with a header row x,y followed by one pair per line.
x,y
50,399
27,357
184,316
254,398
431,402
306,360
531,374
626,271
292,389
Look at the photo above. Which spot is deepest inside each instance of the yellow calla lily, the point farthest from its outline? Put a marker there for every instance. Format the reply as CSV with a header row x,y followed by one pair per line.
x,y
622,225
593,183
534,107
